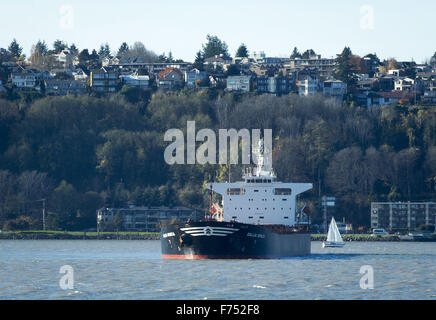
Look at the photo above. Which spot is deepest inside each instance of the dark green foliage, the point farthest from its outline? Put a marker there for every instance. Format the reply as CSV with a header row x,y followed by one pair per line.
x,y
104,50
15,49
242,51
295,53
214,47
59,45
199,61
82,153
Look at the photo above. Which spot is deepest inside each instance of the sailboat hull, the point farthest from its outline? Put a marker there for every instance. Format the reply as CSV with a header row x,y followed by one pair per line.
x,y
327,244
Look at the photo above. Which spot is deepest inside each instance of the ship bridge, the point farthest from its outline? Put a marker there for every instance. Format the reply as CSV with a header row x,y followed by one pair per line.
x,y
260,198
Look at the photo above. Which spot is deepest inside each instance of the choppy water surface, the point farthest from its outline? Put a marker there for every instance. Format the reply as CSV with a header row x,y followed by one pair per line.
x,y
135,270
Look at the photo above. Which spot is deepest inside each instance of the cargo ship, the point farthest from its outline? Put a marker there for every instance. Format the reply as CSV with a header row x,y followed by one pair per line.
x,y
256,219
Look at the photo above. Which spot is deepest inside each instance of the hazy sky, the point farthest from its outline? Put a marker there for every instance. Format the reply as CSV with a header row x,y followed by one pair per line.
x,y
401,29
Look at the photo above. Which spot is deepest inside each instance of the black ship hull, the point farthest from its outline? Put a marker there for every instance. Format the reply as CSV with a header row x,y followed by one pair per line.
x,y
230,240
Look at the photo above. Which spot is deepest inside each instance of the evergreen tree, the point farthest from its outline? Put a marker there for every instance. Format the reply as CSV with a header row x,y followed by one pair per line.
x,y
214,47
59,45
307,54
104,51
124,48
15,49
242,51
74,49
345,71
199,61
295,53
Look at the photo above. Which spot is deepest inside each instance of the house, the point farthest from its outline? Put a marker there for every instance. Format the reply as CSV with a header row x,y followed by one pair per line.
x,y
404,84
192,76
135,81
79,75
367,84
430,92
170,79
308,86
217,61
25,80
239,83
379,99
65,59
386,83
275,85
324,66
58,87
334,89
148,219
104,80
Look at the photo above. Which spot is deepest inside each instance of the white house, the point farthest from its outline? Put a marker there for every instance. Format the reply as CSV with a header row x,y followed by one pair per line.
x,y
308,87
404,84
24,80
334,89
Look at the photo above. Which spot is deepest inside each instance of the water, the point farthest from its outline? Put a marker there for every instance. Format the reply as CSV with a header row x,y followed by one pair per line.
x,y
134,270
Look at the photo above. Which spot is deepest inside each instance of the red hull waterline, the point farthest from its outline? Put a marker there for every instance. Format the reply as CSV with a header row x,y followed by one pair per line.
x,y
204,257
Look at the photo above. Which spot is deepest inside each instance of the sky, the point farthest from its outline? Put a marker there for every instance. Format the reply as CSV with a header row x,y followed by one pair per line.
x,y
398,29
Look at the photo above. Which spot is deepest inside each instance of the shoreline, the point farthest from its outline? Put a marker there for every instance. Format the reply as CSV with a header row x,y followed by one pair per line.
x,y
80,235
77,235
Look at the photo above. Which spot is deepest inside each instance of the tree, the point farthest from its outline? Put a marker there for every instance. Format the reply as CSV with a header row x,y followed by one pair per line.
x,y
214,47
38,54
124,49
104,50
59,45
84,57
139,52
199,61
392,64
64,206
73,49
242,51
345,69
295,53
307,54
233,70
15,49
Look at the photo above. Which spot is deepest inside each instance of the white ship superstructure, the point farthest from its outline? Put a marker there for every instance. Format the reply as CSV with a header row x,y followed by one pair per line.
x,y
259,198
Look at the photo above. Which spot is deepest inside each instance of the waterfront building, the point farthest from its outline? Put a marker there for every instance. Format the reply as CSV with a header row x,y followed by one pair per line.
x,y
402,216
146,219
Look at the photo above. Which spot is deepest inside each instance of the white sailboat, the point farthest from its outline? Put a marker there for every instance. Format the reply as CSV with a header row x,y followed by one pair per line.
x,y
334,239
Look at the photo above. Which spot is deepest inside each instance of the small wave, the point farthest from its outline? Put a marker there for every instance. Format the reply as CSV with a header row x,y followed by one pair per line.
x,y
259,287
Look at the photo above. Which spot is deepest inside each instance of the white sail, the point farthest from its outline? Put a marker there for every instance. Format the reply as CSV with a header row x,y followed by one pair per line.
x,y
334,235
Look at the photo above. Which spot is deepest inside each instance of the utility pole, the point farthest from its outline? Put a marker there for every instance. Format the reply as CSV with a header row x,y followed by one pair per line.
x,y
324,213
43,212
